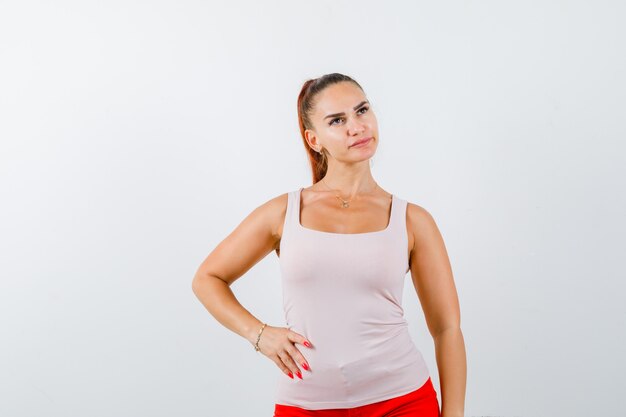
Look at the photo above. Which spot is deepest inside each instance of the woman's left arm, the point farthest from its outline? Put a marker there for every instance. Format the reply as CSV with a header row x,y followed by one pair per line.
x,y
432,277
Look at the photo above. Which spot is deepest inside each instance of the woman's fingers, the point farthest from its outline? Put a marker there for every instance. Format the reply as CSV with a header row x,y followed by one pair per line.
x,y
289,363
297,357
279,347
279,362
298,338
295,353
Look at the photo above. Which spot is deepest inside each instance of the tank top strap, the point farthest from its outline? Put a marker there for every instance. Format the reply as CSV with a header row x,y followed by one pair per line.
x,y
294,215
397,228
397,222
292,211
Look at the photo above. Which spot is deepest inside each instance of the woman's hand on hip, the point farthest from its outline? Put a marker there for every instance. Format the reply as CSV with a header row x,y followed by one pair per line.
x,y
278,344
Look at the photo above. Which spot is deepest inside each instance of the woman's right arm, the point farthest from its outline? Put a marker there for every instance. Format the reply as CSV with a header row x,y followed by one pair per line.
x,y
255,237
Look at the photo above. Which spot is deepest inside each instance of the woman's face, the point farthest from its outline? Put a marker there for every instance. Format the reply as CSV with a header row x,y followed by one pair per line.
x,y
341,117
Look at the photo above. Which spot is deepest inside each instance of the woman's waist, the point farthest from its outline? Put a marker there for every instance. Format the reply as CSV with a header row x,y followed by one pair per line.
x,y
335,349
340,381
346,331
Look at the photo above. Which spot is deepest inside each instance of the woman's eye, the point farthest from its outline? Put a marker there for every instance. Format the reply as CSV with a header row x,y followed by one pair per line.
x,y
339,118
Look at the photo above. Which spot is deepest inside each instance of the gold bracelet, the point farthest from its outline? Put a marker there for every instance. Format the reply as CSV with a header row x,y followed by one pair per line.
x,y
256,345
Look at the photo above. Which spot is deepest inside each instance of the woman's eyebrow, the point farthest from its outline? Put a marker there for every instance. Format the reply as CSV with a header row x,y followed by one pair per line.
x,y
342,113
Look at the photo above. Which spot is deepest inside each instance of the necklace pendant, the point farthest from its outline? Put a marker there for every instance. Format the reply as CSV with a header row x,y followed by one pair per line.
x,y
345,204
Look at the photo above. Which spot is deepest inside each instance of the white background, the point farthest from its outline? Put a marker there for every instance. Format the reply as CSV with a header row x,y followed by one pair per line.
x,y
136,135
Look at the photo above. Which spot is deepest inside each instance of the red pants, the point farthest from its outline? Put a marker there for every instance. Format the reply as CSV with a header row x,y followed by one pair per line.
x,y
420,403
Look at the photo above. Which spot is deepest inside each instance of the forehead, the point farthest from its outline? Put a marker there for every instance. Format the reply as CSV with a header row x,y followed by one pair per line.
x,y
340,97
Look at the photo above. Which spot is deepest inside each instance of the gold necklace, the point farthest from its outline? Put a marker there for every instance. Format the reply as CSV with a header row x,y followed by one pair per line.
x,y
344,203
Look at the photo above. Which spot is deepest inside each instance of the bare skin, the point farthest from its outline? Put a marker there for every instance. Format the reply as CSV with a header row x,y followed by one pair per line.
x,y
349,176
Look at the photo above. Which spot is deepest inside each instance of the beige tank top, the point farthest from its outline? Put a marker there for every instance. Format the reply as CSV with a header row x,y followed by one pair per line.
x,y
343,292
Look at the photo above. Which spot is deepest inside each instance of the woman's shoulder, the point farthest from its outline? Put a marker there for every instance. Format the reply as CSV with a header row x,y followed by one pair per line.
x,y
416,211
273,211
420,222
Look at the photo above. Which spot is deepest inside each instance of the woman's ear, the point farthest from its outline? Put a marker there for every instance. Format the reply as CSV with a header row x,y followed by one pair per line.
x,y
312,140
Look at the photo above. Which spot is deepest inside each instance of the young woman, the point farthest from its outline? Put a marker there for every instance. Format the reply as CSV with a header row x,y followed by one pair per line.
x,y
345,246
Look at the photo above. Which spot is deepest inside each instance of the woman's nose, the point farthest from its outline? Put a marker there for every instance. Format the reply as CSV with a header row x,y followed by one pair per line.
x,y
355,126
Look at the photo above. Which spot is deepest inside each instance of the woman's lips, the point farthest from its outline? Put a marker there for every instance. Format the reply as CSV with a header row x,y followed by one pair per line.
x,y
363,142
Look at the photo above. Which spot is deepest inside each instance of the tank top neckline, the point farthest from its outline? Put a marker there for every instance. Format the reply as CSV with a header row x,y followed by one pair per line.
x,y
299,225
